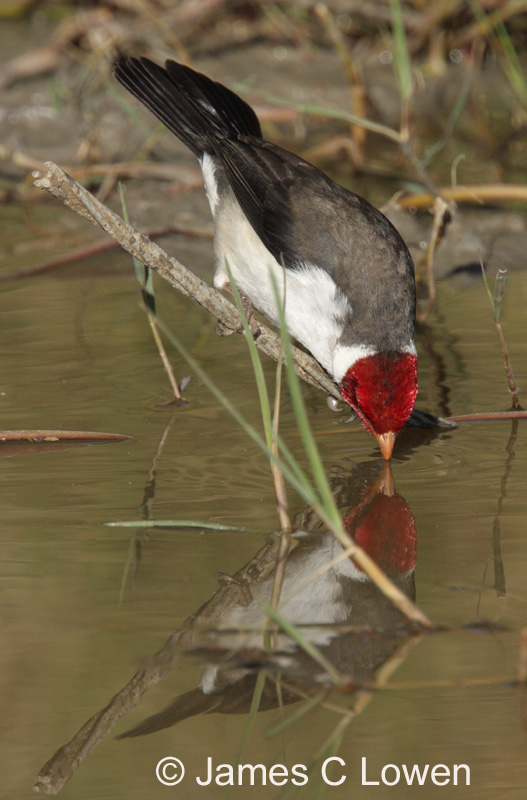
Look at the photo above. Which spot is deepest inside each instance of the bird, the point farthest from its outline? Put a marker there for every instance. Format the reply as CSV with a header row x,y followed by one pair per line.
x,y
343,270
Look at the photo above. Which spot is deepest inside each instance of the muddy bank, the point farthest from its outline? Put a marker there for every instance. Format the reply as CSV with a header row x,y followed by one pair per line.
x,y
77,116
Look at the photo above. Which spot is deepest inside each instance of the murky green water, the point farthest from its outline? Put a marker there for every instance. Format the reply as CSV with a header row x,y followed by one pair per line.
x,y
84,604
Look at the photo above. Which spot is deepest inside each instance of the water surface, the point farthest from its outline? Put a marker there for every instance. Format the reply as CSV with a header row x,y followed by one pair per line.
x,y
84,604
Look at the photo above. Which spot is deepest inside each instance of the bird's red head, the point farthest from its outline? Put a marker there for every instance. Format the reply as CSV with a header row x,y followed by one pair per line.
x,y
382,389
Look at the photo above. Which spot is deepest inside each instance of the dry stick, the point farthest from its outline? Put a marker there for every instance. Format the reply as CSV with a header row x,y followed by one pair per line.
x,y
53,435
488,416
66,761
72,194
466,194
163,355
354,78
501,278
441,219
144,279
496,301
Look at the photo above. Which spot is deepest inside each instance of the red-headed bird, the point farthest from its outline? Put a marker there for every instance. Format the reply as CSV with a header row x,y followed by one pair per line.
x,y
349,278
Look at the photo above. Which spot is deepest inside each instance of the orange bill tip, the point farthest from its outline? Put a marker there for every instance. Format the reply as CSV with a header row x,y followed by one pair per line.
x,y
386,442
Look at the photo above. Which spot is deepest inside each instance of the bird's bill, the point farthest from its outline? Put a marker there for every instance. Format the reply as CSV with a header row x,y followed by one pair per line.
x,y
386,442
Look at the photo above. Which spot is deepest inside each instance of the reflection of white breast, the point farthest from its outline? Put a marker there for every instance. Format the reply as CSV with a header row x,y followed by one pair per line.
x,y
311,592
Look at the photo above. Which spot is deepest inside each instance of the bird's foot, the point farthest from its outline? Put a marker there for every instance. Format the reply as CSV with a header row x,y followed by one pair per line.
x,y
224,330
245,596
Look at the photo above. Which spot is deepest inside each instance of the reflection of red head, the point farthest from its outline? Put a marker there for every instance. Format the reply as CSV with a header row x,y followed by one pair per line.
x,y
383,525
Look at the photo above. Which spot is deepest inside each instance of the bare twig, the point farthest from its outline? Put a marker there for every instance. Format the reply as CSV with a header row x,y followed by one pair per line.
x,y
163,355
479,194
501,278
353,75
496,301
66,761
72,194
441,220
488,416
61,436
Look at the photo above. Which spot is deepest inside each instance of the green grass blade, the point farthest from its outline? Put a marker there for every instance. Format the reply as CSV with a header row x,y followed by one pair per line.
x,y
299,473
256,362
324,505
513,67
487,287
142,272
452,121
173,523
333,113
317,468
401,57
296,716
255,705
305,491
307,646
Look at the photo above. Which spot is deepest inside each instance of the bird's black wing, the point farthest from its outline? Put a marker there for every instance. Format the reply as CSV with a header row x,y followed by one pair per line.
x,y
268,183
298,212
305,218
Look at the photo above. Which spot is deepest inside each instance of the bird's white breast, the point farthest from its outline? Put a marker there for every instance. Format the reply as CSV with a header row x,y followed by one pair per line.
x,y
314,310
209,178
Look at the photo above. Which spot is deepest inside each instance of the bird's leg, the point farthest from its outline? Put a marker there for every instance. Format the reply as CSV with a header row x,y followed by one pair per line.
x,y
248,310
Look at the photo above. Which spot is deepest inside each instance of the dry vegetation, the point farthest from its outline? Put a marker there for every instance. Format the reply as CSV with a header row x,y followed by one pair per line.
x,y
457,77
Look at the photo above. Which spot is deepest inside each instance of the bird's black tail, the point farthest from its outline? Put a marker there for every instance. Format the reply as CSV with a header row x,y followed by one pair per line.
x,y
187,102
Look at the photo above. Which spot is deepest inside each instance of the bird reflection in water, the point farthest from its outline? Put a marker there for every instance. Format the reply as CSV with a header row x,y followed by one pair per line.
x,y
339,610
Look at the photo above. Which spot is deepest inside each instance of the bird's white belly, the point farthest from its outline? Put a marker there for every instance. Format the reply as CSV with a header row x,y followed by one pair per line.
x,y
313,310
